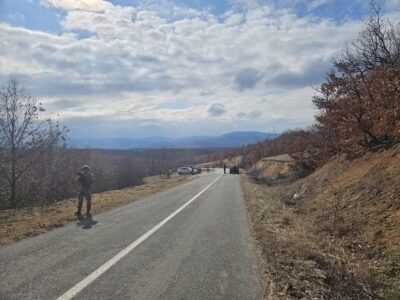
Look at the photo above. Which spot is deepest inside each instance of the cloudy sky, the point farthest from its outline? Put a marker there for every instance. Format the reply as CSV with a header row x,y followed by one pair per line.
x,y
135,68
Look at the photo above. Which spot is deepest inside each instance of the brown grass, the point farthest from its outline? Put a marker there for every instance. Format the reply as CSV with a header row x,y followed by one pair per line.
x,y
343,225
34,221
274,167
297,264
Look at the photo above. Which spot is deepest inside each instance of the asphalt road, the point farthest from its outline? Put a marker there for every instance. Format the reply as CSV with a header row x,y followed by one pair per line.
x,y
202,251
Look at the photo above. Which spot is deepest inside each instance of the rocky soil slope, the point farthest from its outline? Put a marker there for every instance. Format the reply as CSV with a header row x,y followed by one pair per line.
x,y
333,234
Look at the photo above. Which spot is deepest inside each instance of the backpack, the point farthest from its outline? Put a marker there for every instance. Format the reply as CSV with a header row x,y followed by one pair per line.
x,y
86,179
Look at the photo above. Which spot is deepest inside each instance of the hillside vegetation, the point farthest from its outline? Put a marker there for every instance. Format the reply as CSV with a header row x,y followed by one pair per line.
x,y
332,234
327,218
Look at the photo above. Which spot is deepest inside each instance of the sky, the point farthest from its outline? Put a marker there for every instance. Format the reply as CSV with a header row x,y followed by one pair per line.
x,y
139,68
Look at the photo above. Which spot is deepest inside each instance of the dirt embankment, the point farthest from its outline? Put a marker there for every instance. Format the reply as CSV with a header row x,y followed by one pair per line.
x,y
273,170
34,221
333,234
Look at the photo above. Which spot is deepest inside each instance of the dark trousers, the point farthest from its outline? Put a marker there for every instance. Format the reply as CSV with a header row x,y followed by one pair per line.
x,y
87,194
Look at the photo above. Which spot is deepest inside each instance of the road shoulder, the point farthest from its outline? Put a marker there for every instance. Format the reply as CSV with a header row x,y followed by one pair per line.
x,y
32,222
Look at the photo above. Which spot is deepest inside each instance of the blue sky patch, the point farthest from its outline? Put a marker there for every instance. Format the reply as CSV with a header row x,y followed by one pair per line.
x,y
31,14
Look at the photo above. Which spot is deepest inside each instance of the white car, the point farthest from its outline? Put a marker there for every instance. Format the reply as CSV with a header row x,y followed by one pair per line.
x,y
185,171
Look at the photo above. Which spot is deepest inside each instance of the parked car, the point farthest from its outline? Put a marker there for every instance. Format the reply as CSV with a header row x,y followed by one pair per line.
x,y
195,170
233,170
185,171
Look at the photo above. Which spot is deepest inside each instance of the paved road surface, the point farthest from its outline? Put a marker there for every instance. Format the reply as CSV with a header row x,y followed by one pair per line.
x,y
204,251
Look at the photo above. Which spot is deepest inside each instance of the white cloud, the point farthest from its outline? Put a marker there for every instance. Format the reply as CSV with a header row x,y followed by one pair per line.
x,y
313,4
88,5
258,63
396,3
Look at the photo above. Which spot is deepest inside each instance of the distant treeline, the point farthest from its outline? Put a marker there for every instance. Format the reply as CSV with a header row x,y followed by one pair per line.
x,y
53,176
358,103
37,169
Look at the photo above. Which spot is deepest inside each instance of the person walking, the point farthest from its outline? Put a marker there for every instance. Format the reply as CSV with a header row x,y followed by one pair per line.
x,y
85,180
224,168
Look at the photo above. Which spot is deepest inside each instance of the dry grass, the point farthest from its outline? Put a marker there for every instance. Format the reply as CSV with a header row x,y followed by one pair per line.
x,y
274,170
297,263
343,225
362,195
32,222
280,236
274,167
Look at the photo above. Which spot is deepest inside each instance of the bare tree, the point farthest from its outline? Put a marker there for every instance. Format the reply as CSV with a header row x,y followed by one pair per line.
x,y
378,43
360,98
24,135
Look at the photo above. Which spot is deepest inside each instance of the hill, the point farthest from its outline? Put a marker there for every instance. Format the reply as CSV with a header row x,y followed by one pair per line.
x,y
333,234
233,139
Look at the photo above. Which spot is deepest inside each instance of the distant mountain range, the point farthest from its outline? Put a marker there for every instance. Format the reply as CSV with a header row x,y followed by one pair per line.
x,y
229,140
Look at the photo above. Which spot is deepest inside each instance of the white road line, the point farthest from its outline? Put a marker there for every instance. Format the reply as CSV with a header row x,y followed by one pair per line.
x,y
72,292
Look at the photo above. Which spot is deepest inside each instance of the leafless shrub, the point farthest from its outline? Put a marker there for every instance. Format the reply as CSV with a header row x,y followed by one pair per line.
x,y
24,137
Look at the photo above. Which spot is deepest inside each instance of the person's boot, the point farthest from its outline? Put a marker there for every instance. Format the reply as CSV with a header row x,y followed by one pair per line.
x,y
78,213
88,207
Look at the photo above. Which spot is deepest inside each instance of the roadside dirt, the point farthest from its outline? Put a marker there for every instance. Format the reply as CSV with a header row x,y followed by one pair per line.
x,y
34,221
332,235
274,170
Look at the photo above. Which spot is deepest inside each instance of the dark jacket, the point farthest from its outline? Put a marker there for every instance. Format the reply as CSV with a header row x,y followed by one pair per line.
x,y
85,179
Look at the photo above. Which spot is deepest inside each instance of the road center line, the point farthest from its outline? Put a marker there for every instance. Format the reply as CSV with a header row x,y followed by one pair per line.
x,y
72,292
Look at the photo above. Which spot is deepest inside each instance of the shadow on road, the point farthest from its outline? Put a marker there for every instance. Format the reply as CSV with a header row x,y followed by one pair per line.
x,y
86,223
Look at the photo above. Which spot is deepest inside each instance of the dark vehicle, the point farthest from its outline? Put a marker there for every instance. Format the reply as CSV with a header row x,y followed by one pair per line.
x,y
198,170
195,170
234,170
